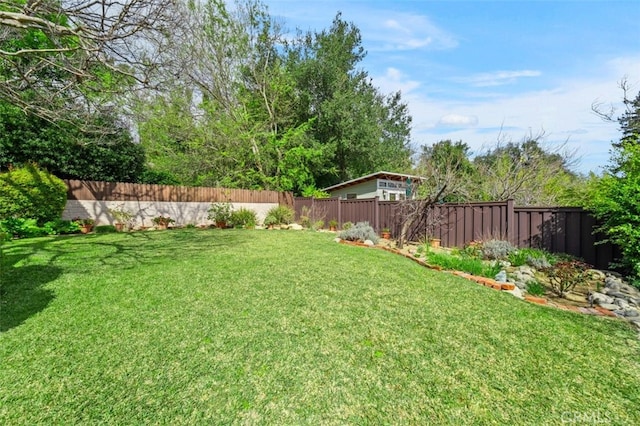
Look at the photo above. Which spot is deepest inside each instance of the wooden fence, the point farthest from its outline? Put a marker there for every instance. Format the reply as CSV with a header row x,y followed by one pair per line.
x,y
555,229
112,191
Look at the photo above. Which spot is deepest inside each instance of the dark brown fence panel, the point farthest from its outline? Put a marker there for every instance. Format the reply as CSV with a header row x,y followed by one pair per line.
x,y
555,229
112,191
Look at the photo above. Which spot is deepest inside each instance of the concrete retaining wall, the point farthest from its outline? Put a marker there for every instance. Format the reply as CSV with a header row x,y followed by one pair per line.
x,y
183,213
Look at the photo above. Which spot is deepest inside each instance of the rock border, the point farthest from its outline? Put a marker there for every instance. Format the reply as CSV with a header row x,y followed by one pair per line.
x,y
511,288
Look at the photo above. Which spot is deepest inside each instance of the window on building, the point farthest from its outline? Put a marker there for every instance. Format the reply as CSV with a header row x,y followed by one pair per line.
x,y
352,196
392,197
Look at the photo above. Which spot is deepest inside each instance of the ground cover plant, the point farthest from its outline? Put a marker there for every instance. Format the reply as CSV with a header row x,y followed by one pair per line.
x,y
282,327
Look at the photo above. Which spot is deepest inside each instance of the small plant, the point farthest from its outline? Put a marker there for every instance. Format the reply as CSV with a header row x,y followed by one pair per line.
x,y
244,218
473,249
190,226
496,249
361,231
220,213
105,229
565,275
305,217
61,226
84,222
21,228
465,264
121,215
162,220
270,221
283,215
333,224
347,225
536,258
318,224
534,288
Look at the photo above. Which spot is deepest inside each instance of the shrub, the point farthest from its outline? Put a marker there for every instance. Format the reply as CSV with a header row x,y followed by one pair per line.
x,y
537,258
31,193
282,214
60,226
21,228
220,212
361,231
565,275
318,224
105,229
347,225
534,288
496,249
244,218
463,263
270,220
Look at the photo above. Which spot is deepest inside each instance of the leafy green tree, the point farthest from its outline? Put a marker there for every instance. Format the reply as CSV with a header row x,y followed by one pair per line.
x,y
31,193
615,198
66,151
361,129
448,163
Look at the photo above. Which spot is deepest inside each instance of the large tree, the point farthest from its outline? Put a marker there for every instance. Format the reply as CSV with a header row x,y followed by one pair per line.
x,y
526,172
362,129
615,197
67,152
64,59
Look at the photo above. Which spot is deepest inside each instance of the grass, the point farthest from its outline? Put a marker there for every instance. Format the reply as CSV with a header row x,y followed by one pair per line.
x,y
466,264
282,327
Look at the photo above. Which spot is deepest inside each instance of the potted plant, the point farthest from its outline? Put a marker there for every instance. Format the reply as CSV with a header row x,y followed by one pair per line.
x,y
220,213
434,242
270,221
86,225
162,222
386,233
333,225
122,217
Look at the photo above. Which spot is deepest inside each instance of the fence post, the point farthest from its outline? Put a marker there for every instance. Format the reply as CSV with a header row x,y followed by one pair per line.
x,y
376,214
511,223
339,219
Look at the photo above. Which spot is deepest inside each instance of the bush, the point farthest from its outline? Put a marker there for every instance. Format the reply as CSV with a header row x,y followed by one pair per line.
x,y
565,275
31,193
60,226
536,258
105,229
534,288
361,231
347,225
21,228
220,212
282,214
496,249
243,218
463,263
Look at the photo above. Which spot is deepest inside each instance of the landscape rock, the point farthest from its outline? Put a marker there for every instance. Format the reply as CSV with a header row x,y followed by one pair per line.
x,y
612,282
368,243
595,274
337,240
609,306
599,298
296,227
516,292
622,303
575,297
501,276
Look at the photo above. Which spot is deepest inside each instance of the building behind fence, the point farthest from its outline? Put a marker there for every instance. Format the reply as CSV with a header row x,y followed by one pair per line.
x,y
555,229
186,205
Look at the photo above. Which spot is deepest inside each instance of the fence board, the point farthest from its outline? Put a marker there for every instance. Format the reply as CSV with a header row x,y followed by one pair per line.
x,y
117,191
555,229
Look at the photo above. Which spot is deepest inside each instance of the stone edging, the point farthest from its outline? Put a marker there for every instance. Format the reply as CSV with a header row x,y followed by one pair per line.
x,y
491,283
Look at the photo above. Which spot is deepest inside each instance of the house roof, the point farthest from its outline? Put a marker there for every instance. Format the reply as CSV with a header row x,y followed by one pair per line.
x,y
377,175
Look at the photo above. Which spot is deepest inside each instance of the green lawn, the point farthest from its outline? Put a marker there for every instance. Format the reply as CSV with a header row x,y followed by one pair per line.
x,y
284,327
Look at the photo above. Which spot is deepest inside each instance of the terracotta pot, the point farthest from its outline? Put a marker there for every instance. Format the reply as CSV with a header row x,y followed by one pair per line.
x,y
119,227
386,235
162,226
435,242
333,228
85,229
221,225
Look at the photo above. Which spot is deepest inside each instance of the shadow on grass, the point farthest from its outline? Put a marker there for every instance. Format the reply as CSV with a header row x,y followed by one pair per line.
x,y
21,293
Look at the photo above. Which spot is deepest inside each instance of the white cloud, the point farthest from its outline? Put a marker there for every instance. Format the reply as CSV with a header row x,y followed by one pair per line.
x,y
562,111
457,120
498,78
395,80
395,31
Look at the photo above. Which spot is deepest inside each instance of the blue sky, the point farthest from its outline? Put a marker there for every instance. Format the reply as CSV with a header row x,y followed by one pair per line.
x,y
483,71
